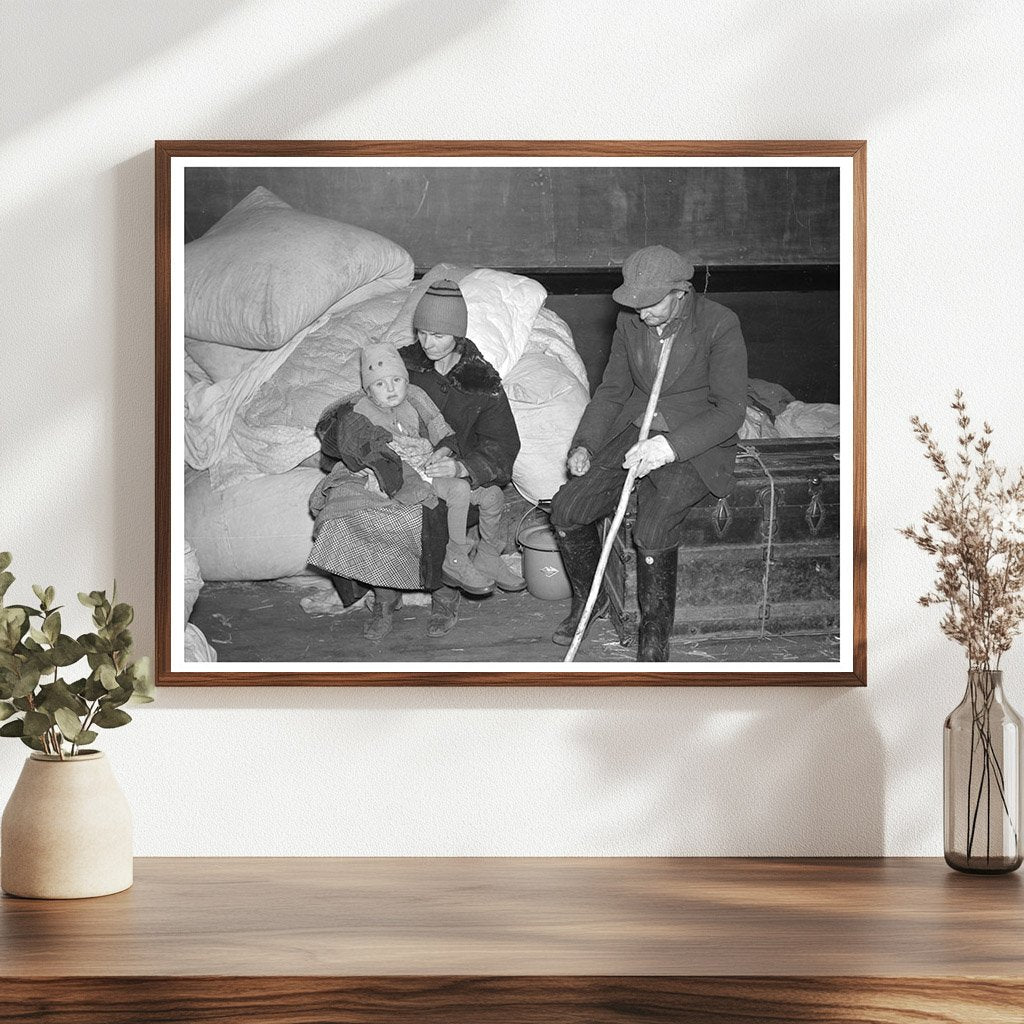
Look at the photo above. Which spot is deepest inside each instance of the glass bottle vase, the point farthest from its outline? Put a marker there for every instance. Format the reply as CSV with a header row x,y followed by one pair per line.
x,y
981,774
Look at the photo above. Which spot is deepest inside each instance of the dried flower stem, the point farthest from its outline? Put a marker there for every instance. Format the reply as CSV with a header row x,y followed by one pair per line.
x,y
975,530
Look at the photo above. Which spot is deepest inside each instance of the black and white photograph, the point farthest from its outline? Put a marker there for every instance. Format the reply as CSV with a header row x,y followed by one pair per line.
x,y
509,416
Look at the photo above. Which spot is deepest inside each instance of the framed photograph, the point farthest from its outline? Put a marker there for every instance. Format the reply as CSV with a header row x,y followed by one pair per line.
x,y
492,413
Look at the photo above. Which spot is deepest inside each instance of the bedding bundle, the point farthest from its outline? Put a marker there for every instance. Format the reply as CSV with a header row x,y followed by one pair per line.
x,y
278,306
773,412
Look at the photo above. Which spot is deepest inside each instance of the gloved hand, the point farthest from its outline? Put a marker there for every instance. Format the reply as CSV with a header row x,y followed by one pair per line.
x,y
649,455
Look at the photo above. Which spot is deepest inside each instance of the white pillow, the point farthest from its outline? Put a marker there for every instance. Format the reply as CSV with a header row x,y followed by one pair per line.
x,y
265,271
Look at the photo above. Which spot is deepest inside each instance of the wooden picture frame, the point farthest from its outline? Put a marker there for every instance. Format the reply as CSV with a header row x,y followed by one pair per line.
x,y
797,248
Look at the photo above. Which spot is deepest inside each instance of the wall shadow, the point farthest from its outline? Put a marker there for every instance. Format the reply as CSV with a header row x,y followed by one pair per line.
x,y
51,71
395,38
738,772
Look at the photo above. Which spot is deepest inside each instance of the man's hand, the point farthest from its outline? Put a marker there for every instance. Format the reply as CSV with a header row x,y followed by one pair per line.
x,y
578,462
444,466
649,455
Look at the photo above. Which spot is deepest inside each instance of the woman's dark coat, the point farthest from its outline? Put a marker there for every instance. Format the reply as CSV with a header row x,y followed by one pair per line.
x,y
471,399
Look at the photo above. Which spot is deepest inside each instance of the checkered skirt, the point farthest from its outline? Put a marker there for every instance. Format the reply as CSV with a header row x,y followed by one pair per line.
x,y
379,546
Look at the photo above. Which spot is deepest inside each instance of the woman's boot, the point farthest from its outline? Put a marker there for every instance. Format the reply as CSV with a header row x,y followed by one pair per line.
x,y
580,549
385,601
444,611
656,573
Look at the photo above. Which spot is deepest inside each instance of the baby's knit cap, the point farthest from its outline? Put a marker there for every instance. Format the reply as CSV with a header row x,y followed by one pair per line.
x,y
380,360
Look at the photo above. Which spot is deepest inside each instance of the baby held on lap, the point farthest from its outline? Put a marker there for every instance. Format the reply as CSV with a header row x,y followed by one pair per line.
x,y
385,382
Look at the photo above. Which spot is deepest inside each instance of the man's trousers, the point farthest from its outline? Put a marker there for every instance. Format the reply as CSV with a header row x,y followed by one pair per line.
x,y
664,496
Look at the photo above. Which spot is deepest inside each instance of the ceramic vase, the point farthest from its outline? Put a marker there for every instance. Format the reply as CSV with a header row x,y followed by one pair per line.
x,y
66,831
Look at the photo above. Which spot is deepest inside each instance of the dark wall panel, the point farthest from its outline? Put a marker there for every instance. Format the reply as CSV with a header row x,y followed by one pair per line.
x,y
554,216
792,337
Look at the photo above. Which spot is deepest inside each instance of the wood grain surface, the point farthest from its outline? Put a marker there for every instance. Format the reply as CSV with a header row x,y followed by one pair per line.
x,y
510,939
516,1000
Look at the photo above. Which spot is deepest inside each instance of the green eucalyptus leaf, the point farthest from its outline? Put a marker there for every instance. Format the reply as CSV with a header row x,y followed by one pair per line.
x,y
89,600
94,644
27,681
10,662
69,724
59,695
6,579
6,710
115,698
40,593
5,559
97,660
14,728
13,625
49,595
36,655
94,689
122,616
67,651
14,614
29,611
86,736
31,741
111,718
107,676
22,703
51,626
142,680
39,636
36,723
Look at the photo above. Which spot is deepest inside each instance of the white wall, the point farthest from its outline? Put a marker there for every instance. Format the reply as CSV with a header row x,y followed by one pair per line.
x,y
937,90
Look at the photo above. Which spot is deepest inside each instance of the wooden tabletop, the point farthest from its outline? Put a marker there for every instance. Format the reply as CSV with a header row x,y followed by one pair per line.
x,y
505,918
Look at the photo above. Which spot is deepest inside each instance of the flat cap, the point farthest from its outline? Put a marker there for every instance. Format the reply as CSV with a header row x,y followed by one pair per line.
x,y
649,274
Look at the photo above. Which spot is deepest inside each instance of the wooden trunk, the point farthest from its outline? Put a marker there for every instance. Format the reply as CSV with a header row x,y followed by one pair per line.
x,y
766,557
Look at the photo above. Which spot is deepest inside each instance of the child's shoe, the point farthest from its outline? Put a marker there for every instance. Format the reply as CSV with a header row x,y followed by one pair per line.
x,y
458,571
488,562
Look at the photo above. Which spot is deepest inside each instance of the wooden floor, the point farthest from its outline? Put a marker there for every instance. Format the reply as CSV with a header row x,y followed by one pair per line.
x,y
300,619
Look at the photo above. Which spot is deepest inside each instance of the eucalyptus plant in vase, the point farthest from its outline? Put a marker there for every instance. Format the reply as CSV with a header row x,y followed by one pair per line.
x,y
66,830
975,530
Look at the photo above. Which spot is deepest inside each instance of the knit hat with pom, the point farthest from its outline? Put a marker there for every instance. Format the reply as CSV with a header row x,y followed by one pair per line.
x,y
441,310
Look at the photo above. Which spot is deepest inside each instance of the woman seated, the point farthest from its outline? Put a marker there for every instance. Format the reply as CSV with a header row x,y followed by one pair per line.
x,y
364,534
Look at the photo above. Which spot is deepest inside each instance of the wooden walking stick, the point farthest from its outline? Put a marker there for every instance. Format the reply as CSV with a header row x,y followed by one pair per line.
x,y
620,512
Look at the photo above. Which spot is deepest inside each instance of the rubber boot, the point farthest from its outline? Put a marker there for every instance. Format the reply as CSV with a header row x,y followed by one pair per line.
x,y
580,549
489,562
656,573
444,611
458,571
378,625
